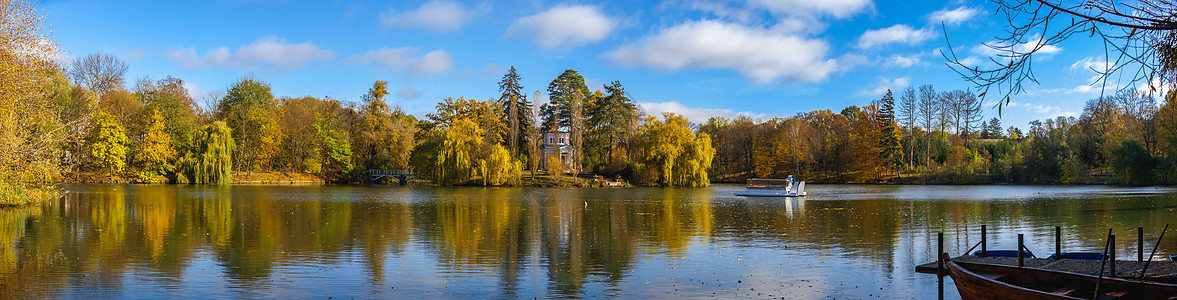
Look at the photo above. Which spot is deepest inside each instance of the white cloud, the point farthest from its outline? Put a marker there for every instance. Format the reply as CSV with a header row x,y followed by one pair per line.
x,y
696,115
894,85
834,8
1155,87
900,33
761,55
404,59
1095,87
1045,52
408,93
266,54
954,16
564,26
440,16
971,61
905,61
1093,64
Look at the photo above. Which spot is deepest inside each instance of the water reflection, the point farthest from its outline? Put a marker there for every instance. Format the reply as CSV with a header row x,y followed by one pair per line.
x,y
274,241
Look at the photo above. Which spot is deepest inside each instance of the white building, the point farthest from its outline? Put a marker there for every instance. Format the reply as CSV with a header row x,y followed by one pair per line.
x,y
555,144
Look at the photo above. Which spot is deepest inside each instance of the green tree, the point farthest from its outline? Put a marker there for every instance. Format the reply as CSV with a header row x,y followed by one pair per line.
x,y
614,119
334,148
1133,163
108,144
169,98
250,110
514,106
890,151
155,155
211,159
558,111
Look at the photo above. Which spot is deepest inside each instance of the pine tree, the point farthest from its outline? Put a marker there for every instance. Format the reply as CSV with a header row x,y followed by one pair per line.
x,y
890,150
515,104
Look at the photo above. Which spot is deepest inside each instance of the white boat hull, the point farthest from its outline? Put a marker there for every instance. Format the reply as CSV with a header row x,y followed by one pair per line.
x,y
769,193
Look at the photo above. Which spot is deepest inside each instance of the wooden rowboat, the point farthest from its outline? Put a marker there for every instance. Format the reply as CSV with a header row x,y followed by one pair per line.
x,y
986,281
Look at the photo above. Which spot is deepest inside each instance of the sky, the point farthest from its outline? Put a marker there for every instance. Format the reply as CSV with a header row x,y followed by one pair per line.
x,y
760,58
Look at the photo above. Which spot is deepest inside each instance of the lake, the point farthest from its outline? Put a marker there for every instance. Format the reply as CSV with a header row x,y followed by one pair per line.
x,y
843,241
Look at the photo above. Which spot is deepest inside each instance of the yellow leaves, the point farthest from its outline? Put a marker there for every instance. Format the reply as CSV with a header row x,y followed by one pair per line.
x,y
109,143
675,155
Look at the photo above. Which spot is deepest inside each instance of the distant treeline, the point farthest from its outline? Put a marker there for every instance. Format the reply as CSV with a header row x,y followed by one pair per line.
x,y
941,137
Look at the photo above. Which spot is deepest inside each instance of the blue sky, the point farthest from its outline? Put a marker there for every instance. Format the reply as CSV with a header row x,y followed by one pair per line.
x,y
762,58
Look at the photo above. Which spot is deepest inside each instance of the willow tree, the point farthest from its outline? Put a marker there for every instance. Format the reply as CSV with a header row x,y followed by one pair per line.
x,y
211,160
456,156
31,134
673,155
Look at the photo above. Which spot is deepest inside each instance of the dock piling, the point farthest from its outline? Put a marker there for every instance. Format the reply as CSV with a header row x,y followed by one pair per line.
x,y
1058,241
1139,243
984,244
1112,258
939,258
1021,259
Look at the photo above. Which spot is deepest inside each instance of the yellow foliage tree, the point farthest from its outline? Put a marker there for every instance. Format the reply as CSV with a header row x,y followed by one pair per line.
x,y
31,134
156,153
108,144
499,168
673,154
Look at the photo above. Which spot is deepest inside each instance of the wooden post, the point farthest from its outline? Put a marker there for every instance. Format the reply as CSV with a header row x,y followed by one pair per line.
x,y
984,251
1112,254
1058,244
939,258
1021,260
1139,243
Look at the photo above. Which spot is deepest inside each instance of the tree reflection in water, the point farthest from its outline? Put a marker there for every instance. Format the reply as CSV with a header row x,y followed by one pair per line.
x,y
367,241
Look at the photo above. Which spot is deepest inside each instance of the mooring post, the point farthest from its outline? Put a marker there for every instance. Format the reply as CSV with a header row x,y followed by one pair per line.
x,y
1058,241
1112,254
939,250
1139,243
984,251
1021,260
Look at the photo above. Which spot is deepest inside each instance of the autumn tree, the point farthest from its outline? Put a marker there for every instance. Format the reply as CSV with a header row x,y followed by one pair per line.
x,y
674,156
385,137
108,144
249,109
456,159
99,72
169,98
334,148
155,154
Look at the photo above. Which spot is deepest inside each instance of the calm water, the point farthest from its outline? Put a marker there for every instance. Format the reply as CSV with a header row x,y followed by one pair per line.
x,y
844,241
